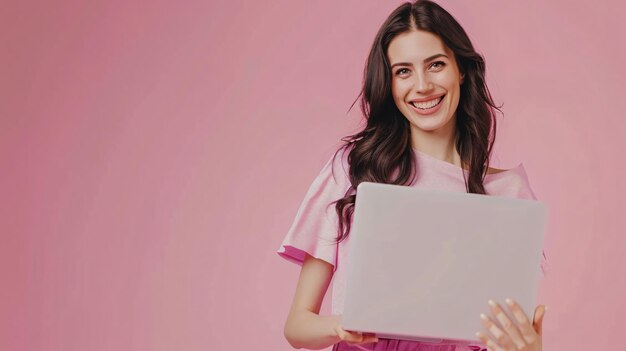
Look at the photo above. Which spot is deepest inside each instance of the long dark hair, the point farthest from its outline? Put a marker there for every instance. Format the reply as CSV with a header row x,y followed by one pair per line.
x,y
382,151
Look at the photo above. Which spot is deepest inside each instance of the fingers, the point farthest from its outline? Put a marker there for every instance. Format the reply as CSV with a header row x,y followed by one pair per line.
x,y
538,319
500,338
527,330
349,337
353,338
366,338
359,338
509,327
509,335
492,327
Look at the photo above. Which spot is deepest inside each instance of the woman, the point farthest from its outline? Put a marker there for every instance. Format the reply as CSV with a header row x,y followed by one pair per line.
x,y
430,123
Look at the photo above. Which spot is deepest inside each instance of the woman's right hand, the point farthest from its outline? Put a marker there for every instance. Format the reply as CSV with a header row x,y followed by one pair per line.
x,y
350,337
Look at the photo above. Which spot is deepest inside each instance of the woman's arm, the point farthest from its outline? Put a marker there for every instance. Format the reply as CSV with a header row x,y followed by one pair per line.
x,y
304,327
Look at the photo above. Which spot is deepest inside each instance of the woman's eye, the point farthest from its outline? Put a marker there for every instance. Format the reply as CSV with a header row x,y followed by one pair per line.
x,y
436,65
401,70
440,63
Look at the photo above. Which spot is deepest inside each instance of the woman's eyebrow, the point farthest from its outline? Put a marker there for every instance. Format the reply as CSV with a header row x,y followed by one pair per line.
x,y
425,60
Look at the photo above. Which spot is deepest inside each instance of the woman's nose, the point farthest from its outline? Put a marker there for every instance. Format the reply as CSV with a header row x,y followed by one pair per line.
x,y
422,83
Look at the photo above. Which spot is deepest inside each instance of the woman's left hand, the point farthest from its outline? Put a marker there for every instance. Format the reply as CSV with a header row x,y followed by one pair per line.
x,y
512,335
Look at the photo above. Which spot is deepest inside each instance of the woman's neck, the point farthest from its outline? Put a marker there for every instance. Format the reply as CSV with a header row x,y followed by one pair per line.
x,y
437,144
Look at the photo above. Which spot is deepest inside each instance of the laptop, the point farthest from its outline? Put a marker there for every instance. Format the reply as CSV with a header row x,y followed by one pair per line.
x,y
423,263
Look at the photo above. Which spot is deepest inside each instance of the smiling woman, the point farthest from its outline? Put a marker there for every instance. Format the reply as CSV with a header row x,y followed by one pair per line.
x,y
424,90
430,122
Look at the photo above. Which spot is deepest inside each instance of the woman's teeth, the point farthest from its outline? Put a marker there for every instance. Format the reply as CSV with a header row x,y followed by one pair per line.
x,y
428,104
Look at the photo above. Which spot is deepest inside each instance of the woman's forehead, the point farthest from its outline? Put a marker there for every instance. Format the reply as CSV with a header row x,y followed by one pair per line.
x,y
415,46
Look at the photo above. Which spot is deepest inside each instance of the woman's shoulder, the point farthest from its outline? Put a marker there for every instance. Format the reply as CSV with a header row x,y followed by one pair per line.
x,y
333,178
511,182
492,170
517,170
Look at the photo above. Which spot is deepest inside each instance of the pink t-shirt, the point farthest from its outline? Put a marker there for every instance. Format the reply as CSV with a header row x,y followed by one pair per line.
x,y
315,225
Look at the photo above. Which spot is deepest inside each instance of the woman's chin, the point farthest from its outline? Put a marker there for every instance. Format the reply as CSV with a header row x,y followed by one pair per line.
x,y
429,124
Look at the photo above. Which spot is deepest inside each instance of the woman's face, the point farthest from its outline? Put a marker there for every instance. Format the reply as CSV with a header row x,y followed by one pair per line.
x,y
425,81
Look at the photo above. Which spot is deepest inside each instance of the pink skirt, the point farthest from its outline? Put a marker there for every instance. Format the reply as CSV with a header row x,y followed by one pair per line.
x,y
403,345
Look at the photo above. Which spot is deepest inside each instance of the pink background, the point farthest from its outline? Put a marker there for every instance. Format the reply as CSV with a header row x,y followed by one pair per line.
x,y
153,156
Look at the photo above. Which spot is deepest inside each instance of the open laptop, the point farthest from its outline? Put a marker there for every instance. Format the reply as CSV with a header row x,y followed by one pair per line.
x,y
424,263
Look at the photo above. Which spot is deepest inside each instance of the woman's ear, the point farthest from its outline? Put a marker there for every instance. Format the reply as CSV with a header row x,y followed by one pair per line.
x,y
462,77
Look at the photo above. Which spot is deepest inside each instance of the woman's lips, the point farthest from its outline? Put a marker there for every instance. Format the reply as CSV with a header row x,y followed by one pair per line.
x,y
428,111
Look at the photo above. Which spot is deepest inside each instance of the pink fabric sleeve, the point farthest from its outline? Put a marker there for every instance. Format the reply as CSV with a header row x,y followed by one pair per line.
x,y
315,226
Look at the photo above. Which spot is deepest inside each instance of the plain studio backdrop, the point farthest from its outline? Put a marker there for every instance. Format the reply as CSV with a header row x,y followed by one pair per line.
x,y
154,153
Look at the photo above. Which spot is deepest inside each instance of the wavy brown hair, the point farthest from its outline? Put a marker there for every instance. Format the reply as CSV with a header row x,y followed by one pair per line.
x,y
382,151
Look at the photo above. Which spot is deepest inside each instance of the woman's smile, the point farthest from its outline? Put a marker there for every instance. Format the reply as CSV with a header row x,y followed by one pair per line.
x,y
427,107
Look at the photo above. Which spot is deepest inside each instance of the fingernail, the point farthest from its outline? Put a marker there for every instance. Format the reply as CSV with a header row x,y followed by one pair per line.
x,y
491,303
483,317
509,301
545,308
